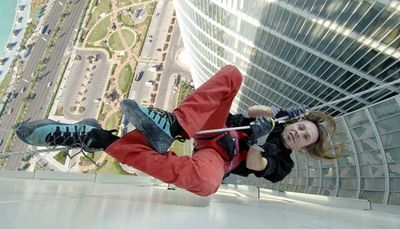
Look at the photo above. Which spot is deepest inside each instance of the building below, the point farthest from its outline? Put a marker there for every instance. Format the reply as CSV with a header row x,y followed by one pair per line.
x,y
65,200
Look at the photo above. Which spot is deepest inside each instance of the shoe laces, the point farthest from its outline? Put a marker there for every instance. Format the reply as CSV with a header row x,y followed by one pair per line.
x,y
68,137
77,138
154,112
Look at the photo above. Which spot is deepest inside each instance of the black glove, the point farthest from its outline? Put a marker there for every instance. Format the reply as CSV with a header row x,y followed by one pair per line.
x,y
260,129
292,113
99,138
297,111
238,120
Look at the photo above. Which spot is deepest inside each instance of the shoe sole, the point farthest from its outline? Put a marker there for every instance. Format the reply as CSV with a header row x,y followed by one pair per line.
x,y
26,129
142,122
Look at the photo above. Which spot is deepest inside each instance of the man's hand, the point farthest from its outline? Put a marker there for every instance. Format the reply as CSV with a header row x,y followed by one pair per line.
x,y
296,112
260,129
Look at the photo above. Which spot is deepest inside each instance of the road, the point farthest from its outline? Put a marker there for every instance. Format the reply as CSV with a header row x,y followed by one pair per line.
x,y
157,33
37,106
159,30
171,69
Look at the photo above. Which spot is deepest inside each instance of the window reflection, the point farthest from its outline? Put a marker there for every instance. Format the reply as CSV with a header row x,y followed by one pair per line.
x,y
394,198
347,193
374,197
348,171
394,169
366,144
393,155
391,139
372,170
370,157
385,109
357,118
348,183
388,125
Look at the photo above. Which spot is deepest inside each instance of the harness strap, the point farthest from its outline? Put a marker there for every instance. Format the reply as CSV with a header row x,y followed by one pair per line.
x,y
198,137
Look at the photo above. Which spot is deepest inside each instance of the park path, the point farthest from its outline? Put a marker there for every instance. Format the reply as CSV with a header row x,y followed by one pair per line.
x,y
114,78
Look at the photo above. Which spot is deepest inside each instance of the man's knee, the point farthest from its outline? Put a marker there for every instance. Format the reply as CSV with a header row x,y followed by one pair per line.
x,y
209,188
233,74
236,75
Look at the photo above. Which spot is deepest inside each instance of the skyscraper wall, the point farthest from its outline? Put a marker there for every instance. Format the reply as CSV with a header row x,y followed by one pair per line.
x,y
369,169
341,57
297,52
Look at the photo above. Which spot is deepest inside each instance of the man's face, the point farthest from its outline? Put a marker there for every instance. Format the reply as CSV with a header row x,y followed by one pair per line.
x,y
298,135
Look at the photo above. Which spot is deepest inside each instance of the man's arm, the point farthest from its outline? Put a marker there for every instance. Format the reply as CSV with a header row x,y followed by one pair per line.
x,y
259,111
260,129
255,161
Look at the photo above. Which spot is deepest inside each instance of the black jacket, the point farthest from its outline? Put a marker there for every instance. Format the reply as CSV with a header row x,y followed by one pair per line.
x,y
279,162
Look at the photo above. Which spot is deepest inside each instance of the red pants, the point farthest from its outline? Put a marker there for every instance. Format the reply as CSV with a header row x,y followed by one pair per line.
x,y
206,108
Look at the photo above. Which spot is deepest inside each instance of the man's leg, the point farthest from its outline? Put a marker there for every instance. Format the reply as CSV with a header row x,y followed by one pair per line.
x,y
201,174
208,106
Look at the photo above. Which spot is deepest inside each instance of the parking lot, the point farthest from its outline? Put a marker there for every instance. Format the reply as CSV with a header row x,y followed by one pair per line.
x,y
85,84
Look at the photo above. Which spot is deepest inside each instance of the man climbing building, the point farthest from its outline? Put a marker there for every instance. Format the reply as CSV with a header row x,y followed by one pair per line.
x,y
263,150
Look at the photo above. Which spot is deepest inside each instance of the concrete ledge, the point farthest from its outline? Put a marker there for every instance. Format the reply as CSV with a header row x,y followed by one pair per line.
x,y
110,178
331,201
386,208
43,175
16,174
90,177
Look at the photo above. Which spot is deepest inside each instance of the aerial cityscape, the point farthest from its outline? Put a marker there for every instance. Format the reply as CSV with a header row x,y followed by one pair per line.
x,y
82,65
69,60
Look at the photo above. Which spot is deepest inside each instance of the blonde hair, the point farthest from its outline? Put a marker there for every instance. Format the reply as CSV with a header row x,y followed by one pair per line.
x,y
323,148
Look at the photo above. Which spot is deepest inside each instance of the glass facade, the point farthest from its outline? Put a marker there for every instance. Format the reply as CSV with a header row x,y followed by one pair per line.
x,y
370,167
299,51
341,57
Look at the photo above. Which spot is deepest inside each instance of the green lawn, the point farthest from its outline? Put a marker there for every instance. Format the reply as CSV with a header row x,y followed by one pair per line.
x,y
113,121
61,156
129,37
4,84
2,162
113,68
110,166
184,90
103,6
100,31
125,78
115,43
105,108
94,156
123,59
126,2
110,123
178,148
127,20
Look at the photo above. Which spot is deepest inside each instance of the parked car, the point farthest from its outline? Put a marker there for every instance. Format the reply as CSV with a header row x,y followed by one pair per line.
x,y
139,76
150,83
